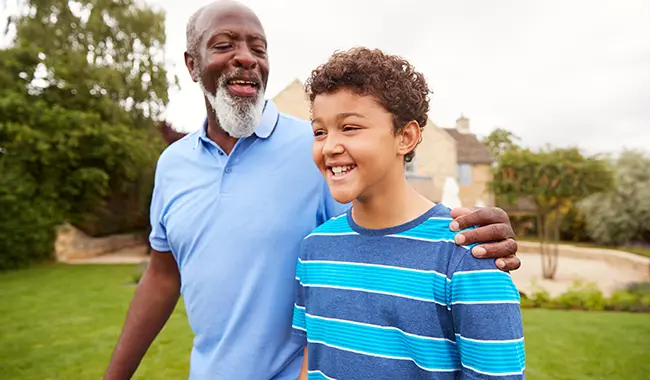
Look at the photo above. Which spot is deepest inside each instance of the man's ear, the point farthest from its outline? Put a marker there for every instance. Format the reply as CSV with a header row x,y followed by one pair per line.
x,y
190,63
410,136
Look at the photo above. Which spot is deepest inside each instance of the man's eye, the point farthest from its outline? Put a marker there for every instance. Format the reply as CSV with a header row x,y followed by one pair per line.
x,y
222,47
259,50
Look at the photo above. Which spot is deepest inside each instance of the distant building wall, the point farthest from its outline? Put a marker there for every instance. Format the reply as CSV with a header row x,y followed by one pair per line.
x,y
477,190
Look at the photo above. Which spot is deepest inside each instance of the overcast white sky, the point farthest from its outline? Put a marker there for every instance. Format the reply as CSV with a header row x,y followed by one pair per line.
x,y
573,72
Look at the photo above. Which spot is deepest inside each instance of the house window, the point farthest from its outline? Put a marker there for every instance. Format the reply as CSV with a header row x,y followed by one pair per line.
x,y
464,174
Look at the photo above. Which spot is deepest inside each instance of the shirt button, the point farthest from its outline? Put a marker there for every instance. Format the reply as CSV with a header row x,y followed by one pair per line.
x,y
228,170
220,153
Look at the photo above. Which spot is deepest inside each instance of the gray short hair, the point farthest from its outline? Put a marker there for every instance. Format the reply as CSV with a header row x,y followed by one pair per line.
x,y
193,36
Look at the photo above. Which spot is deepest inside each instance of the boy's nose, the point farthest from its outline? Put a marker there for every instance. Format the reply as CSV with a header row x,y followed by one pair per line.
x,y
332,147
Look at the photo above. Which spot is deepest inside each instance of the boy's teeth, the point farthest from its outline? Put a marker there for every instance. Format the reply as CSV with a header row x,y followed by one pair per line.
x,y
341,169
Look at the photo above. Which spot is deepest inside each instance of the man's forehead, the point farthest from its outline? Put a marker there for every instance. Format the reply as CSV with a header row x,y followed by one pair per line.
x,y
228,16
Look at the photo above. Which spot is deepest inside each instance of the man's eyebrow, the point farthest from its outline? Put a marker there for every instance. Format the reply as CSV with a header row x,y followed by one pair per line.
x,y
257,36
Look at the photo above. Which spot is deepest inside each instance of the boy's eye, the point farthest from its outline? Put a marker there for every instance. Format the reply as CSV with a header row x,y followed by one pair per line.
x,y
350,128
319,133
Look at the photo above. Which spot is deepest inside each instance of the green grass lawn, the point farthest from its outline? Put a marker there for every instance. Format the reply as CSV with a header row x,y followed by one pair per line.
x,y
61,322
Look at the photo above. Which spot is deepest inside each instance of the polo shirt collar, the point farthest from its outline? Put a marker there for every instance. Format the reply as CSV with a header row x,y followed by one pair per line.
x,y
263,130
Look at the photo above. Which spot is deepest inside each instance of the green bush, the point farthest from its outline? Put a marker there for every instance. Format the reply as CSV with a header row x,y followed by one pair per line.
x,y
634,298
587,296
582,296
27,220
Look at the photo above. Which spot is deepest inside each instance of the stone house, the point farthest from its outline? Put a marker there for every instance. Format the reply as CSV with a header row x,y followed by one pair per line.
x,y
443,153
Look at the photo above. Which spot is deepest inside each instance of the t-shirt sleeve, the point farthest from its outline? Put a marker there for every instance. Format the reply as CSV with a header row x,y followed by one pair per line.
x,y
484,304
299,326
158,235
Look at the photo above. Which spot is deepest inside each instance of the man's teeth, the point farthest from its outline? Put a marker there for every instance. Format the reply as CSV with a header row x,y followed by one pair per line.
x,y
243,82
338,170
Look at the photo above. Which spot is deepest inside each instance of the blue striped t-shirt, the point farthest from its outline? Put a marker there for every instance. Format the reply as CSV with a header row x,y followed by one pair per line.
x,y
404,303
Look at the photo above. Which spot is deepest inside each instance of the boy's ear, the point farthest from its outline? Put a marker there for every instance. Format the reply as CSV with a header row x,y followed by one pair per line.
x,y
409,137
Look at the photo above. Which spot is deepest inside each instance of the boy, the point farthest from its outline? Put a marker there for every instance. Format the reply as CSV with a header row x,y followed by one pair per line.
x,y
382,291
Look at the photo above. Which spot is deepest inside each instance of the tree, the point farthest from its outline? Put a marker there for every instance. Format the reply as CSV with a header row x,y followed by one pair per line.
x,y
500,141
554,179
81,89
622,215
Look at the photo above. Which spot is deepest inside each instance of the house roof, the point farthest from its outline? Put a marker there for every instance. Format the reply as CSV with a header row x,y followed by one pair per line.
x,y
469,150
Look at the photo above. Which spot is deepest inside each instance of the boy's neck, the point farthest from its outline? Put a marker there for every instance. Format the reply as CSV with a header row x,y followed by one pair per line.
x,y
394,203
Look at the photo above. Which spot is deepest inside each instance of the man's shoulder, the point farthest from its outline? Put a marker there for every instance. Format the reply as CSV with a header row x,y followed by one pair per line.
x,y
294,126
178,149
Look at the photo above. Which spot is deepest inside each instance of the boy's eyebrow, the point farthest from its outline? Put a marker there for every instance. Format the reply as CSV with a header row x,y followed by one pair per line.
x,y
339,117
343,115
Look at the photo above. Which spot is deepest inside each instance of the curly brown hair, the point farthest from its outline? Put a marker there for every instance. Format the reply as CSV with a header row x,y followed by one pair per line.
x,y
390,79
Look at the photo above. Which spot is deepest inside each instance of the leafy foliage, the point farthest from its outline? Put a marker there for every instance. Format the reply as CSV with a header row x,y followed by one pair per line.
x,y
587,296
554,180
501,141
622,215
80,91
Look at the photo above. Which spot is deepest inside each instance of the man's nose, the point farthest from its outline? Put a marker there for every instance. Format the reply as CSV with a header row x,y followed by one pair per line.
x,y
244,58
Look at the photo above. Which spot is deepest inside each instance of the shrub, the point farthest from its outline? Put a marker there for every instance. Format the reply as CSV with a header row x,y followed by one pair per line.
x,y
587,296
27,221
582,296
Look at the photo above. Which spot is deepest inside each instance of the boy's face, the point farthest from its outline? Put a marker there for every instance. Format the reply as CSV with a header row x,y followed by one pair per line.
x,y
355,146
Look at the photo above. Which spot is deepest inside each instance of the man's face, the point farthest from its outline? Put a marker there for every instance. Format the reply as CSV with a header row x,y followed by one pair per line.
x,y
231,66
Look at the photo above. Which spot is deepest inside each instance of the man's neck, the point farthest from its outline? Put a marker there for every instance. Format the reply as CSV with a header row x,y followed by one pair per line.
x,y
392,203
219,136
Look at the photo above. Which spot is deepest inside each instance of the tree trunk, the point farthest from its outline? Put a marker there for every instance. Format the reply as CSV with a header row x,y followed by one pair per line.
x,y
548,232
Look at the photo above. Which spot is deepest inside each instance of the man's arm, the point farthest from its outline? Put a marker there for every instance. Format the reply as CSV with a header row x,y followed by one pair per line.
x,y
494,234
153,302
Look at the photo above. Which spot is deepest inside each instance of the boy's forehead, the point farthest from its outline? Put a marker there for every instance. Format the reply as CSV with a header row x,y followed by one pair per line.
x,y
344,101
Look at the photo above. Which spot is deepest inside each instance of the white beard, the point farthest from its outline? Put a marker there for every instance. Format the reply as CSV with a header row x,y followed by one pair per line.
x,y
237,119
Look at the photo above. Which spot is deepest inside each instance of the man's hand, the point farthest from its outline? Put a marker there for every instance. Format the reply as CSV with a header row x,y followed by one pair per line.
x,y
494,234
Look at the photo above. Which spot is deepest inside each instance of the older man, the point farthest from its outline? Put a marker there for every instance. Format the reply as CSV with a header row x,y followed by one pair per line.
x,y
231,205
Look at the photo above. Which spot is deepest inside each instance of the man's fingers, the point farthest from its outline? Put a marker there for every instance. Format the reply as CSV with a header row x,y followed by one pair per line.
x,y
478,217
492,232
505,248
460,211
509,263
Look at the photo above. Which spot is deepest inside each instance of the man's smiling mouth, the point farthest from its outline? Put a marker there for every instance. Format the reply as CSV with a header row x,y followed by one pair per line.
x,y
242,87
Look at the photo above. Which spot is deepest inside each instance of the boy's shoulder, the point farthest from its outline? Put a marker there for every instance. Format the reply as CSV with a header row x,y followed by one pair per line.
x,y
336,225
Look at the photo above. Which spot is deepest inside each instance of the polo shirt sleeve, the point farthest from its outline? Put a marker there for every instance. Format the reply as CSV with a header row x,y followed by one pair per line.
x,y
299,325
158,235
484,303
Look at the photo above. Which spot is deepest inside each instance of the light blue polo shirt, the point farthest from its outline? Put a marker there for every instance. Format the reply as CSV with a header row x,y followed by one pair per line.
x,y
234,224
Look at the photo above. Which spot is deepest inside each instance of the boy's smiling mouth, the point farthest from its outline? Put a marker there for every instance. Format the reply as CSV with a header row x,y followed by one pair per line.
x,y
338,171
